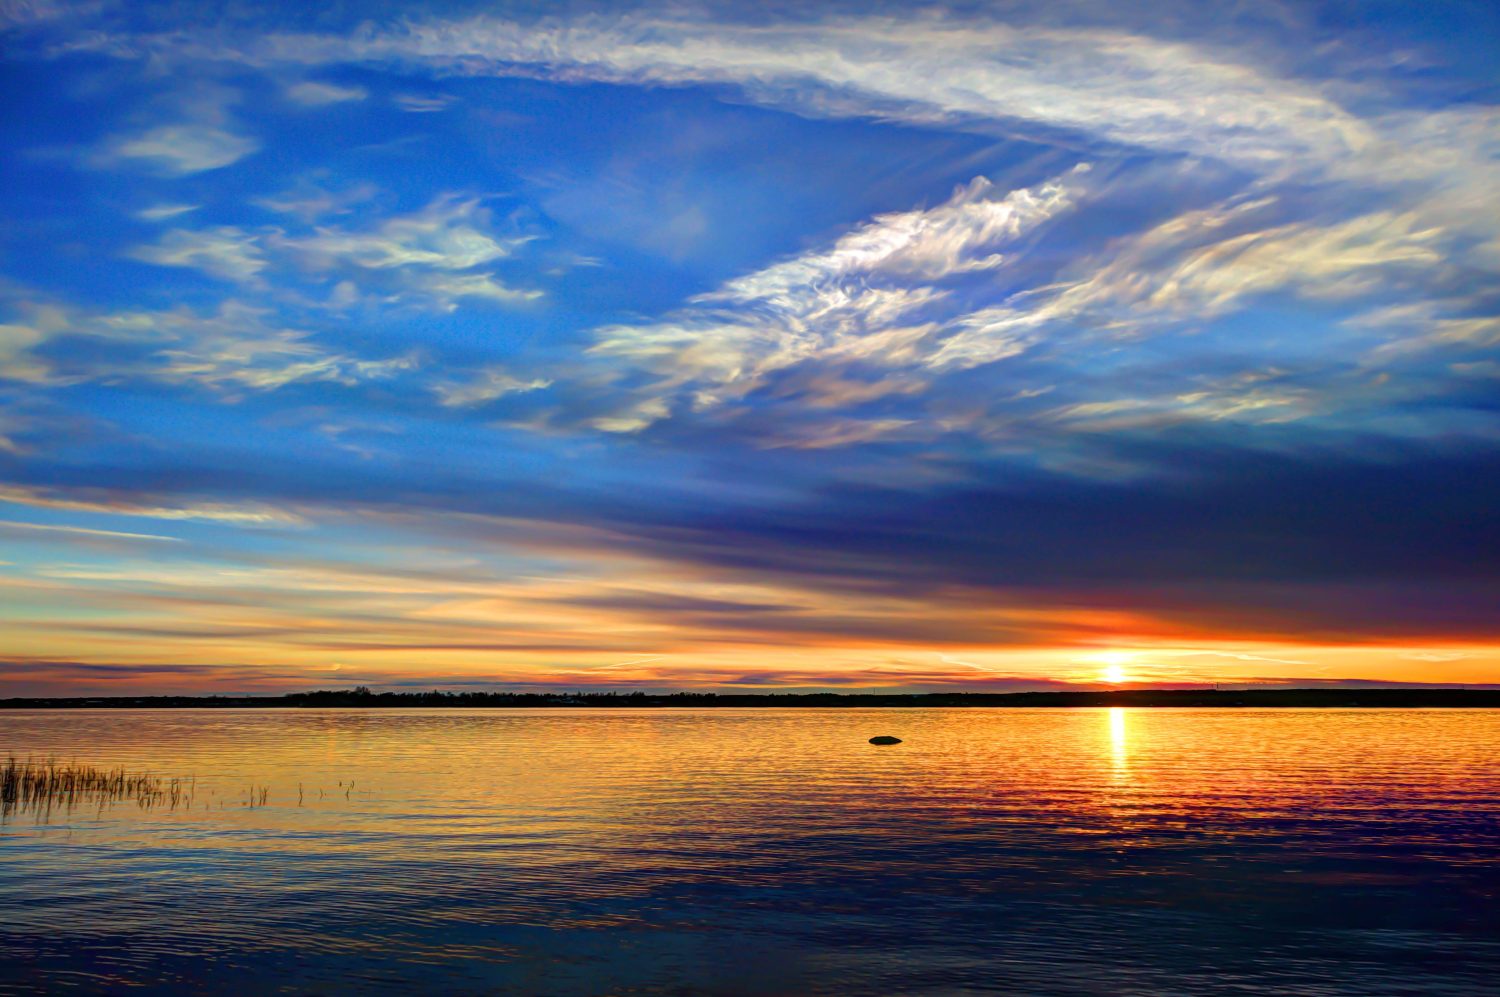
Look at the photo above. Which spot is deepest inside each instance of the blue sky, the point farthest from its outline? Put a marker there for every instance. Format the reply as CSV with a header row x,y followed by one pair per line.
x,y
733,344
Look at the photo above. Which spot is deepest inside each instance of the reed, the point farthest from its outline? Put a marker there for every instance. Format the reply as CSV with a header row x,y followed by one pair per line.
x,y
39,786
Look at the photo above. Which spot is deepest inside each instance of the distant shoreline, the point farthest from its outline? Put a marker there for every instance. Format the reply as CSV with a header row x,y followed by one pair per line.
x,y
1406,698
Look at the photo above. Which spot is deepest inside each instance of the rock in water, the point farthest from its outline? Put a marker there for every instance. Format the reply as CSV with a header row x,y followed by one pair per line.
x,y
885,739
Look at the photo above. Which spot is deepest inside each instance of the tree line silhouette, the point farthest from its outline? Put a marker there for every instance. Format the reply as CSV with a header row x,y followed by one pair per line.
x,y
362,697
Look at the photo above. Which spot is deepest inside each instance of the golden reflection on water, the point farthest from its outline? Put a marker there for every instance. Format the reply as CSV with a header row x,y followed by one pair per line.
x,y
1119,739
453,837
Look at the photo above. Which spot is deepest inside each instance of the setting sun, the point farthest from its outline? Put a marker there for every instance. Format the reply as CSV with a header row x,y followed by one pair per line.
x,y
1113,666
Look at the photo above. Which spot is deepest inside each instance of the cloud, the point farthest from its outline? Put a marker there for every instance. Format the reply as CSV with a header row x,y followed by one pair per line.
x,y
226,252
310,201
446,235
423,103
236,348
180,149
233,349
886,313
956,237
446,289
486,386
1101,85
16,360
84,532
1341,260
163,212
891,295
100,500
1234,545
1194,267
858,300
12,427
1125,88
312,93
1429,324
836,432
431,255
24,13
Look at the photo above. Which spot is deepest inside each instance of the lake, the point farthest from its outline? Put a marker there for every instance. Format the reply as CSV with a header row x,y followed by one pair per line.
x,y
1019,851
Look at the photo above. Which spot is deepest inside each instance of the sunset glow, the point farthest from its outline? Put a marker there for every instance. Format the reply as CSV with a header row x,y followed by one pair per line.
x,y
657,348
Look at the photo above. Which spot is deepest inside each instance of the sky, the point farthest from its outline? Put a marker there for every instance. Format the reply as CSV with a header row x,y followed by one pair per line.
x,y
769,346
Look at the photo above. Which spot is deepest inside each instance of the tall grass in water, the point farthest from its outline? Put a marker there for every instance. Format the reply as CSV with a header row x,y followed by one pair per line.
x,y
38,786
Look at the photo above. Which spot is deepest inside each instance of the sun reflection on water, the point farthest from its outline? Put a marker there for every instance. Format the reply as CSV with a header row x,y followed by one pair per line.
x,y
1119,738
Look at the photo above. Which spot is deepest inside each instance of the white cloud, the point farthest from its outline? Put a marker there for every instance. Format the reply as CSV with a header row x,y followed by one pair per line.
x,y
1123,88
486,386
10,427
1214,101
1421,325
236,349
955,237
226,252
1331,261
83,531
633,418
1192,268
310,201
163,212
854,301
312,93
827,434
16,361
414,103
431,256
447,288
445,235
178,150
102,501
232,349
1233,400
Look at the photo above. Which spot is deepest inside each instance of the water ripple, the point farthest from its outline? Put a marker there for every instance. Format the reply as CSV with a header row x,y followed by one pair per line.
x,y
766,852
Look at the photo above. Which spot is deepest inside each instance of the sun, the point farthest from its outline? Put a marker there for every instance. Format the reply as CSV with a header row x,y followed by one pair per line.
x,y
1114,662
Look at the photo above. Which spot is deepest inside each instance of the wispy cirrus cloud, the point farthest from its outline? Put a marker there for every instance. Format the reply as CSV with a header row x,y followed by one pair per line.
x,y
17,362
117,503
446,235
486,386
84,532
225,252
1106,89
178,149
1108,84
414,103
868,297
232,349
1124,88
317,93
164,212
1195,267
310,201
435,254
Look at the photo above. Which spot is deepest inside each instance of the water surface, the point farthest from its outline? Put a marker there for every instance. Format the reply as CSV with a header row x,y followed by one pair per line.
x,y
1043,851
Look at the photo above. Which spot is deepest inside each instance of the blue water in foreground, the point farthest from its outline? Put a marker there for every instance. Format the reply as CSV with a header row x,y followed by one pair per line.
x,y
1120,852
